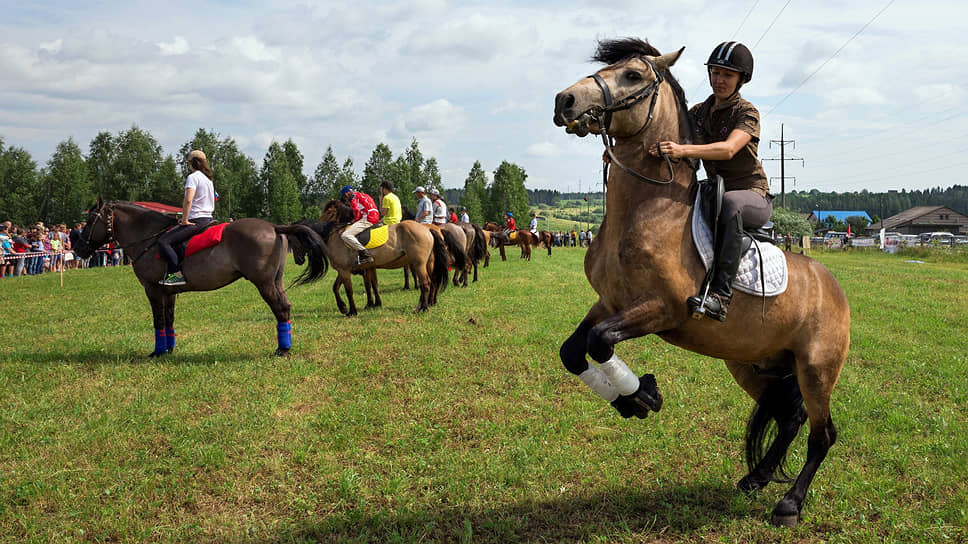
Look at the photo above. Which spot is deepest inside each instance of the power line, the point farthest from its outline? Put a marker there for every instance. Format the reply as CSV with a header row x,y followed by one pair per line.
x,y
740,27
831,57
772,23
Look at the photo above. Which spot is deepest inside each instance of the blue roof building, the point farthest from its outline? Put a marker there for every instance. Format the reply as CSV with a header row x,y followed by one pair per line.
x,y
842,216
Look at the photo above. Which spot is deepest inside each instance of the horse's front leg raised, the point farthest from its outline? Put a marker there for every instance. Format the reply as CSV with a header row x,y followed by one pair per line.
x,y
611,379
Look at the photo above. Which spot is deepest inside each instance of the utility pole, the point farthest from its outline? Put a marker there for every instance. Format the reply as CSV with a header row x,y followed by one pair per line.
x,y
782,143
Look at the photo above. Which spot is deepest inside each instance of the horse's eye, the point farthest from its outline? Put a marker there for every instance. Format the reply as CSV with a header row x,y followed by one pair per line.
x,y
633,76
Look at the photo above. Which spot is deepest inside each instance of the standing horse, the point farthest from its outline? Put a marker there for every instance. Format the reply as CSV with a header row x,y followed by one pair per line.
x,y
522,238
408,244
250,248
643,265
543,237
474,248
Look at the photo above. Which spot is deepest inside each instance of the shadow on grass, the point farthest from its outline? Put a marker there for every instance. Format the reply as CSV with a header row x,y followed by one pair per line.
x,y
667,514
102,357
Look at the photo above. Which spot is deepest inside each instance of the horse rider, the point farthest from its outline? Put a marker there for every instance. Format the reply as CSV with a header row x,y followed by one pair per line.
x,y
439,207
197,209
533,226
727,135
390,209
365,215
425,211
464,218
509,225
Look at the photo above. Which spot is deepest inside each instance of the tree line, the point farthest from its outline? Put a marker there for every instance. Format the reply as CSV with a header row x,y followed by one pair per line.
x,y
132,166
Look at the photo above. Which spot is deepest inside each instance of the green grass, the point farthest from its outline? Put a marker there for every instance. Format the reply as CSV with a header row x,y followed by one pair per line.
x,y
457,425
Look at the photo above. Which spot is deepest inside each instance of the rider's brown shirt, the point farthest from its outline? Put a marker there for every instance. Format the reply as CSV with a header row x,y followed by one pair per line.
x,y
714,124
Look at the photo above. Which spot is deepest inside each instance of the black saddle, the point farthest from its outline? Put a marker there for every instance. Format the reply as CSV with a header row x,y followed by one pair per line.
x,y
711,204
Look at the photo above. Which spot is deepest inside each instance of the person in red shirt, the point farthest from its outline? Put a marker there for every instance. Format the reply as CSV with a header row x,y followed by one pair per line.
x,y
365,215
509,226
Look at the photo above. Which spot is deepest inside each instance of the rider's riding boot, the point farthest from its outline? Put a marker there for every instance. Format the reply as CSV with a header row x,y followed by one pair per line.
x,y
728,253
364,257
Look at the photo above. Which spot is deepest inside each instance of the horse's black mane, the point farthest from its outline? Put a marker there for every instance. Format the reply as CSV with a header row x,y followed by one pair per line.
x,y
146,214
623,49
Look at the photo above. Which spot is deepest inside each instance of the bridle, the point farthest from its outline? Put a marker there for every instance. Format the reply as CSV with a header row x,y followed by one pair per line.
x,y
649,91
108,219
106,214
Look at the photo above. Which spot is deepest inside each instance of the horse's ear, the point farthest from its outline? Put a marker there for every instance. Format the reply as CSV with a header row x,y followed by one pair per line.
x,y
663,62
100,201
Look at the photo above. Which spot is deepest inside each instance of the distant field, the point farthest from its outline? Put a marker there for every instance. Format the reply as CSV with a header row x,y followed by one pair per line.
x,y
457,425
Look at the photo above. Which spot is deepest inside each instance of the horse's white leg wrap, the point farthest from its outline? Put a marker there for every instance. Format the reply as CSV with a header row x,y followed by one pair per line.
x,y
598,382
624,380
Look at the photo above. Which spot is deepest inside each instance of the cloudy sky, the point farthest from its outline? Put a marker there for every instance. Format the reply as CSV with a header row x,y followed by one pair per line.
x,y
872,91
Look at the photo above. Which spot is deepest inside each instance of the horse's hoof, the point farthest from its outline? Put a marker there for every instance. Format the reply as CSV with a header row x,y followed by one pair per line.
x,y
282,352
790,520
786,514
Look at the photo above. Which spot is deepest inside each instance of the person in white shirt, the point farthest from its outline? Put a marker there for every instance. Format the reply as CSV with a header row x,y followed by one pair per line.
x,y
533,226
439,207
464,218
197,209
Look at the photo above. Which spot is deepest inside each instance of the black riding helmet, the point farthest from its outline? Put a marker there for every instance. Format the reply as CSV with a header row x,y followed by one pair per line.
x,y
733,56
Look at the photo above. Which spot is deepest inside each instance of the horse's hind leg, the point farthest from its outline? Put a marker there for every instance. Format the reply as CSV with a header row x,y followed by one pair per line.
x,y
373,284
777,398
275,296
816,377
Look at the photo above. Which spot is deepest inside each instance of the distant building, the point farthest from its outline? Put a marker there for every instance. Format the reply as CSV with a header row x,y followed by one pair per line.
x,y
921,219
818,216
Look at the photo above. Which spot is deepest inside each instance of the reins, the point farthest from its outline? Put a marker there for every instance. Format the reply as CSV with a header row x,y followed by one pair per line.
x,y
109,231
649,91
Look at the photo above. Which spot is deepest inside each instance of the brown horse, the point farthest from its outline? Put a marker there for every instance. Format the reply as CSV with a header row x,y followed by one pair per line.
x,y
542,238
475,250
521,238
644,265
408,244
250,248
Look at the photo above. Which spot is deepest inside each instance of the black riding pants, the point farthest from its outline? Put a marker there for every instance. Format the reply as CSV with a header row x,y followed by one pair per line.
x,y
178,235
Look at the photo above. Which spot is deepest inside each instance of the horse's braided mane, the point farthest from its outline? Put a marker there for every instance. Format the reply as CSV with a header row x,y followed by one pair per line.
x,y
623,49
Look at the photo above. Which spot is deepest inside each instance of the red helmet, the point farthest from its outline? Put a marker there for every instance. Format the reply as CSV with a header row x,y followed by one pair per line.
x,y
733,56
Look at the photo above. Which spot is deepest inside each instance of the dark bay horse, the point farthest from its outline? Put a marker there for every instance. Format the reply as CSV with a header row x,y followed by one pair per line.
x,y
250,248
409,244
786,351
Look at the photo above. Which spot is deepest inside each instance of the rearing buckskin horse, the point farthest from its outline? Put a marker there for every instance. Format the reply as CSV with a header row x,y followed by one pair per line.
x,y
250,248
644,265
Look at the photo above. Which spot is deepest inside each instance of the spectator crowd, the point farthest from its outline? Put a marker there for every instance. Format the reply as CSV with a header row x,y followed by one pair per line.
x,y
38,248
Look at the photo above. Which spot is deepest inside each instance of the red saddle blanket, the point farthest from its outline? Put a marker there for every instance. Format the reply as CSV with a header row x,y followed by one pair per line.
x,y
205,239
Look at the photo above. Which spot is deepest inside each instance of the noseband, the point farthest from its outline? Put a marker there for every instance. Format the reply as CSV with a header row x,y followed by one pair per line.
x,y
604,122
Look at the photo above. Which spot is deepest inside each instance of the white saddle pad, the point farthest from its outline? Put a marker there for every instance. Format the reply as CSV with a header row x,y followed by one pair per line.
x,y
748,275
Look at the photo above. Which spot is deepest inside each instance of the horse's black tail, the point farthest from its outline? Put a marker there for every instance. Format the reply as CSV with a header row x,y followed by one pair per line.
x,y
779,411
479,247
456,247
439,275
315,249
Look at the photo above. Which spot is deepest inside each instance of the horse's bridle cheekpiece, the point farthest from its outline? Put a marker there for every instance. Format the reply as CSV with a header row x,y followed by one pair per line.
x,y
650,90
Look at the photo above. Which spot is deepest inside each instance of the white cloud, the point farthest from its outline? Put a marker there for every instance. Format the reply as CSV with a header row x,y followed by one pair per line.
x,y
178,46
543,149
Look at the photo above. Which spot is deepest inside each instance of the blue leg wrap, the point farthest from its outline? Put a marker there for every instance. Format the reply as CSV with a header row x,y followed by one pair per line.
x,y
161,343
170,338
284,334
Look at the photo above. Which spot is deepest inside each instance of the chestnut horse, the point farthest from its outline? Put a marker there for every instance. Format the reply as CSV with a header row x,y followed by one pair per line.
x,y
784,351
250,248
522,238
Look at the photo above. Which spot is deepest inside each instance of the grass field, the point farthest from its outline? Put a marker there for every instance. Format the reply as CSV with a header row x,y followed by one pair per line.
x,y
457,425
